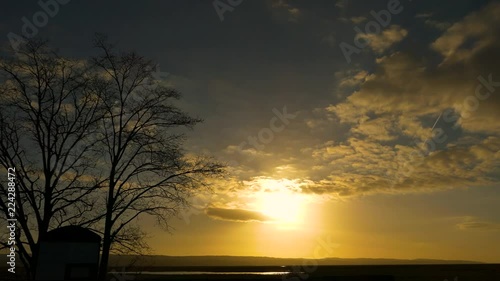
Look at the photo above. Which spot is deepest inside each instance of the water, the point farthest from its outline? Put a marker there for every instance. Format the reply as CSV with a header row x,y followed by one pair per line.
x,y
203,272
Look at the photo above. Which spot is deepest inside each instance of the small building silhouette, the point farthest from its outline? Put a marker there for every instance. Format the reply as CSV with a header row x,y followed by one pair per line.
x,y
68,253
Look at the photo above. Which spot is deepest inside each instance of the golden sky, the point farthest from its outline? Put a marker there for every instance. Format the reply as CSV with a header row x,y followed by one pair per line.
x,y
401,162
391,151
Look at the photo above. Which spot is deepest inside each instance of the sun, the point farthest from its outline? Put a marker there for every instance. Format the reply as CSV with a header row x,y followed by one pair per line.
x,y
280,202
283,207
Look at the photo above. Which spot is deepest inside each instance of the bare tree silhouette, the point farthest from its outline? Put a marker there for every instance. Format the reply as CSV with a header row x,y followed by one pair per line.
x,y
148,172
95,143
48,112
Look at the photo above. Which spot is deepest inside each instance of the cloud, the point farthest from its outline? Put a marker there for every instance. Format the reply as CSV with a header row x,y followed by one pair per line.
x,y
293,13
351,78
340,3
360,167
371,139
441,25
481,27
384,40
426,17
358,20
390,112
390,106
402,83
380,129
473,224
238,215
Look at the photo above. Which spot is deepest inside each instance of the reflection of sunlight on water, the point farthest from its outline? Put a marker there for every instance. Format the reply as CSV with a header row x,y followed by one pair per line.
x,y
203,272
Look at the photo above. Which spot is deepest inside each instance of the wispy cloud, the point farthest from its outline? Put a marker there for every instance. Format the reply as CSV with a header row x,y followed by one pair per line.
x,y
293,13
237,215
481,27
341,4
441,25
387,38
351,78
471,223
392,109
438,24
358,20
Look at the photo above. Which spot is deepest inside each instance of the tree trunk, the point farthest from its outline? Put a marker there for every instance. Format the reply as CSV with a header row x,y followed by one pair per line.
x,y
103,266
106,239
106,246
36,249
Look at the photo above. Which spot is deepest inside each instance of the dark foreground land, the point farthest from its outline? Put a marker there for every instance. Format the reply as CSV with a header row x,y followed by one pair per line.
x,y
473,272
449,272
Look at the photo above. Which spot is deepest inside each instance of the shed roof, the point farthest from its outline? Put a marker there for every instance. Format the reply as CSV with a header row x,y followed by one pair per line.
x,y
72,234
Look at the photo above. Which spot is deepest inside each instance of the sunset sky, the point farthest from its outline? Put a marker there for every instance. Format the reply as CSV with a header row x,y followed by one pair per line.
x,y
390,151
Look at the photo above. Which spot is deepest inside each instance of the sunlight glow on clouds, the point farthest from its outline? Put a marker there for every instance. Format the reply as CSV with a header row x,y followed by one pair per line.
x,y
391,112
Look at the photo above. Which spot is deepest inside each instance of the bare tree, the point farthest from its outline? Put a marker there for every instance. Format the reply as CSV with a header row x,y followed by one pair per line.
x,y
48,114
147,171
94,143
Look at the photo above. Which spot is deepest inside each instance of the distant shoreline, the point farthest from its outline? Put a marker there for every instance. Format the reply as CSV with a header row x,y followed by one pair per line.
x,y
181,262
157,260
